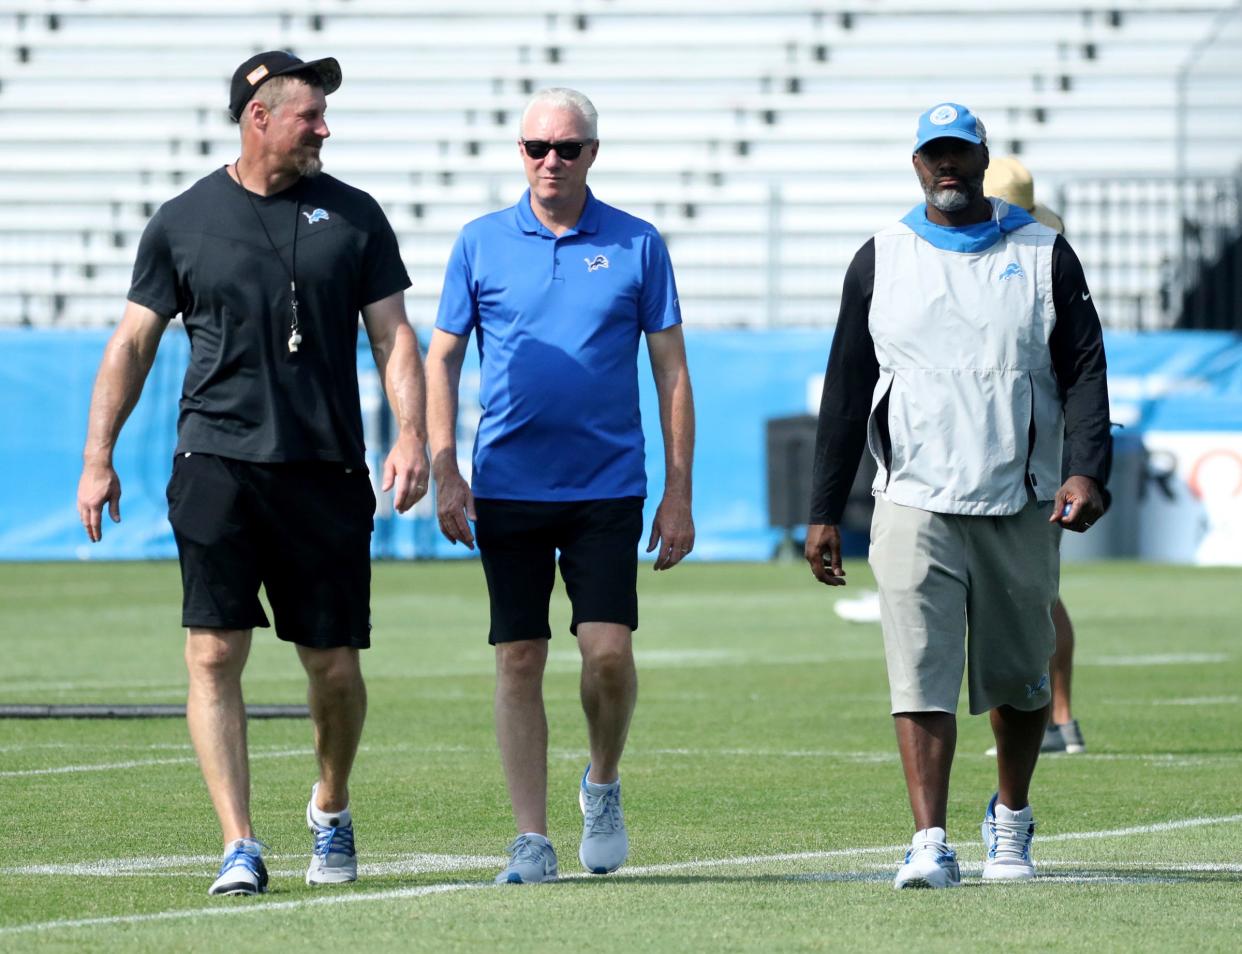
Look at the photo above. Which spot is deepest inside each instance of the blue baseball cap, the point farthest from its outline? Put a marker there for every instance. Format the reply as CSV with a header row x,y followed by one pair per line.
x,y
951,120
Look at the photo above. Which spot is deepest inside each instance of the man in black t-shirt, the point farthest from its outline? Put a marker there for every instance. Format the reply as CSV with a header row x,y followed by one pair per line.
x,y
269,264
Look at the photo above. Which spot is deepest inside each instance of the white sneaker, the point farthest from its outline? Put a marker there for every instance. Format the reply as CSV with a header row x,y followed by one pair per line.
x,y
605,843
333,860
930,862
532,859
863,609
1007,836
242,871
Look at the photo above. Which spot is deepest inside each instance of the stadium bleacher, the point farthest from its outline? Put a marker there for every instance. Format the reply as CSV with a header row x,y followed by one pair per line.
x,y
766,140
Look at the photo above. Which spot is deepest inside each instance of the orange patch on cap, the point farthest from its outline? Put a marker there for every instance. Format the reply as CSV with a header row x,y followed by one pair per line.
x,y
256,74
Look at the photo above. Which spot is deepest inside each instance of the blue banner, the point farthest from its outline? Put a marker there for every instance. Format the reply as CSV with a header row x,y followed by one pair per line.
x,y
1174,381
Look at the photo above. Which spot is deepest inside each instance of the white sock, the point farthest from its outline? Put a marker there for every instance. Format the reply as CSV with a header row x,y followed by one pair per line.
x,y
1005,813
324,819
252,846
599,788
930,836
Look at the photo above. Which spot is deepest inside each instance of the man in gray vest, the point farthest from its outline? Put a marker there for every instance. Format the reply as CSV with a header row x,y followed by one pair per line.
x,y
967,358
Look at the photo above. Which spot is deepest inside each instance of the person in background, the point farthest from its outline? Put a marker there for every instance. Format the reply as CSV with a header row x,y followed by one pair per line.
x,y
1007,178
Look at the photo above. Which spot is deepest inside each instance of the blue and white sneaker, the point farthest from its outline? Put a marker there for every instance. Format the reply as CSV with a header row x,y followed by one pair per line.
x,y
333,860
242,871
1007,836
532,860
930,862
605,842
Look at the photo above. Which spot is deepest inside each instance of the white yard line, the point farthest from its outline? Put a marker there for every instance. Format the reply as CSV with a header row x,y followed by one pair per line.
x,y
108,867
194,865
1142,829
1199,701
1154,659
1189,868
878,756
1159,872
250,908
141,763
1157,759
884,756
29,686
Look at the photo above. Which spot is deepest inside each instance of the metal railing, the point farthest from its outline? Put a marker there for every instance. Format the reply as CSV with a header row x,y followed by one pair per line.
x,y
1145,241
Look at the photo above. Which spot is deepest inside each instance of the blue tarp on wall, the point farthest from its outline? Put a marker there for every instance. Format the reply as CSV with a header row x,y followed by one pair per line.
x,y
1167,381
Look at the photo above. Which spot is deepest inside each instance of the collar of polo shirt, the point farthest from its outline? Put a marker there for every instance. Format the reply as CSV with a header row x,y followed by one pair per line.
x,y
587,224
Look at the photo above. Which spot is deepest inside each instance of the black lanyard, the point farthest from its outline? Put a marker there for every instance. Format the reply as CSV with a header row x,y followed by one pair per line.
x,y
295,336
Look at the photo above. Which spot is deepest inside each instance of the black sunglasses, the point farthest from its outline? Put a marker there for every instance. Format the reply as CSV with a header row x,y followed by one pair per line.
x,y
538,148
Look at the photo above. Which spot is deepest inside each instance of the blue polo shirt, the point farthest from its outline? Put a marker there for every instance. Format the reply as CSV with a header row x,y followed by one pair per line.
x,y
557,321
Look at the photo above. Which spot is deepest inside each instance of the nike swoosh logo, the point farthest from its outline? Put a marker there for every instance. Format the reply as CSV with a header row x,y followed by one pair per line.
x,y
1086,295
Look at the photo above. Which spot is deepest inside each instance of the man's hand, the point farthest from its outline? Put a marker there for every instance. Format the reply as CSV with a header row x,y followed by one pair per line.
x,y
98,485
672,531
454,506
1078,505
823,552
406,472
126,362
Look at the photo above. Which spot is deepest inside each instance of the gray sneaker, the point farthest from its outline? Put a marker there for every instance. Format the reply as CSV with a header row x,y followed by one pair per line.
x,y
605,843
333,860
1066,737
532,859
1071,734
1053,742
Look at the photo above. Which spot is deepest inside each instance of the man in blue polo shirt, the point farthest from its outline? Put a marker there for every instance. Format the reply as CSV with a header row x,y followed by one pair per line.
x,y
557,291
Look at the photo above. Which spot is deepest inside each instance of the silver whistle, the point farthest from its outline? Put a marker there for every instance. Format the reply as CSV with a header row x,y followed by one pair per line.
x,y
295,339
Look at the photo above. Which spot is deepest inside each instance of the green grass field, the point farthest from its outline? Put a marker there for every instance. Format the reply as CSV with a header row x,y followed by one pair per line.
x,y
762,791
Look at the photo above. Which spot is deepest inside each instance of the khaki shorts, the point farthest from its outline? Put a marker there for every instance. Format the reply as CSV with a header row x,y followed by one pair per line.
x,y
956,588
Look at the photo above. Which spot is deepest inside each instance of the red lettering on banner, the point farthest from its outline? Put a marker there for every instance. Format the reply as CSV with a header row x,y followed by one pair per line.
x,y
1195,479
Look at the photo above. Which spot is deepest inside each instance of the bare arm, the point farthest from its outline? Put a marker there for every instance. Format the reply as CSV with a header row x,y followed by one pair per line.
x,y
400,366
672,530
118,385
454,501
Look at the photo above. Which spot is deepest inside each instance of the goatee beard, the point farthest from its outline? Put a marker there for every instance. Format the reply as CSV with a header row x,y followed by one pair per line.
x,y
954,200
309,166
948,200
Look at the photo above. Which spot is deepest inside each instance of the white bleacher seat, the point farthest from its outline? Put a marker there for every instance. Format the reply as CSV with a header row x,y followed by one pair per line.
x,y
710,110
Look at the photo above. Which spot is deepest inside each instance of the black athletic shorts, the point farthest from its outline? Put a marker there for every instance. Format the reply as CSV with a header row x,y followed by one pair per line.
x,y
301,530
598,544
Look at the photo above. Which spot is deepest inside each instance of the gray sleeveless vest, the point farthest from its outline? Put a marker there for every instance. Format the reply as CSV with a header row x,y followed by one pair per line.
x,y
973,411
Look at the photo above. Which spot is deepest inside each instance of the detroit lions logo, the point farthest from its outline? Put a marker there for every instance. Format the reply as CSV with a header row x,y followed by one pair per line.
x,y
1038,687
597,262
319,215
1012,270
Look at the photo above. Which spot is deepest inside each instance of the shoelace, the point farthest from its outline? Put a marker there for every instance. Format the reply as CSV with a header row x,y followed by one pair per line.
x,y
943,853
240,856
603,812
339,841
1010,838
526,849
